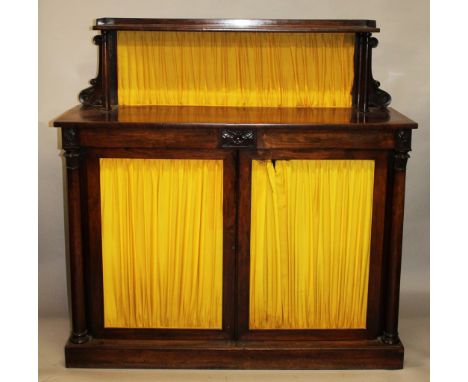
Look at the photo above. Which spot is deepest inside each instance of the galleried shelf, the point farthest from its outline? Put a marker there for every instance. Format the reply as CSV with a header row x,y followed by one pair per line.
x,y
235,198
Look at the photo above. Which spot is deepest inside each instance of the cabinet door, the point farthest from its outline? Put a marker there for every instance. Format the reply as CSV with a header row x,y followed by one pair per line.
x,y
161,226
311,243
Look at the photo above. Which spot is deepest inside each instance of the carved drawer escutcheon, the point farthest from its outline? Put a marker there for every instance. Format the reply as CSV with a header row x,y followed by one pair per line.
x,y
238,138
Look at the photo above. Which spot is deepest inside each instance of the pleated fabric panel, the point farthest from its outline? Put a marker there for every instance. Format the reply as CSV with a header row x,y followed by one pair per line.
x,y
162,243
235,69
310,243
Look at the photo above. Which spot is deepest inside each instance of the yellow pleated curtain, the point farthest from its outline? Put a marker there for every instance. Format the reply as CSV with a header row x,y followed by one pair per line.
x,y
235,69
310,243
162,242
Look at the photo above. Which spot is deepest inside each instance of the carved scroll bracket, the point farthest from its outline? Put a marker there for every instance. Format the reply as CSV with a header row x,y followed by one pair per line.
x,y
402,147
238,138
93,96
377,96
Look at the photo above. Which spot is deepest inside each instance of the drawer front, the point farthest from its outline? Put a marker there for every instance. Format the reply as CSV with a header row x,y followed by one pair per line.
x,y
301,138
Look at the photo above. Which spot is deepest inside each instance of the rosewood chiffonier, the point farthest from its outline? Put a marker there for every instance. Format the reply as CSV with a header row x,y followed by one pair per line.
x,y
235,198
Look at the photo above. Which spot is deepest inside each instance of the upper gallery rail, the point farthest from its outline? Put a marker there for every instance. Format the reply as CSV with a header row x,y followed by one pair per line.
x,y
239,25
366,93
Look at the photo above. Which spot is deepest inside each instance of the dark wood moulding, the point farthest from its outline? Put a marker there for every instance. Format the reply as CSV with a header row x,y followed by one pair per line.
x,y
235,355
220,117
233,25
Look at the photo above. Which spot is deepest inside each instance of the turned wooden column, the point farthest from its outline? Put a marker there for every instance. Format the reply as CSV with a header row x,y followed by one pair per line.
x,y
402,147
105,70
361,74
78,301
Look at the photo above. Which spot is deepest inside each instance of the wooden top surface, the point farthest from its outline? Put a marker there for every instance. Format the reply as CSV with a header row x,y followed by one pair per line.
x,y
193,116
236,25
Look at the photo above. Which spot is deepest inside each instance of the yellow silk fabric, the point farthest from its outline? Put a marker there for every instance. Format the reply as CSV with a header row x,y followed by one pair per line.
x,y
162,243
235,69
310,243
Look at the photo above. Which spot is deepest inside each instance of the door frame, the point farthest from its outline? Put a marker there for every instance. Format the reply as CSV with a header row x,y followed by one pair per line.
x,y
93,253
375,284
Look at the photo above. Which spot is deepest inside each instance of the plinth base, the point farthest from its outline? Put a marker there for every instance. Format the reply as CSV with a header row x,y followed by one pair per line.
x,y
159,354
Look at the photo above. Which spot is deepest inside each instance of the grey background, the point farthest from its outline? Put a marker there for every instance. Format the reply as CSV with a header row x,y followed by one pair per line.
x,y
67,61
